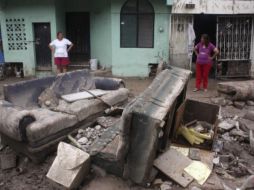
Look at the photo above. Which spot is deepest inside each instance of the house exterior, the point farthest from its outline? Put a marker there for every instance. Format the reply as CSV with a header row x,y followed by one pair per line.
x,y
230,25
124,35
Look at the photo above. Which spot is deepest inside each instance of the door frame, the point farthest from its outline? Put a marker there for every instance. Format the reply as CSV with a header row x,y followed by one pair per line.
x,y
41,68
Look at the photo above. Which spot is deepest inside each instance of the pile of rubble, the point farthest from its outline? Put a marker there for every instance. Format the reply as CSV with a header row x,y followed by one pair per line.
x,y
86,137
238,94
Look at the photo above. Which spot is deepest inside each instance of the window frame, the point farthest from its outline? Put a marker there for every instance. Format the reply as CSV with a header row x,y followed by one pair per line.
x,y
137,14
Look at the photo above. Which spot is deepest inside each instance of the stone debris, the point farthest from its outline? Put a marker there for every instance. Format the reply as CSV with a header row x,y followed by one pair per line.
x,y
107,122
250,103
228,124
70,166
251,141
194,154
249,115
239,104
219,101
8,159
167,185
248,184
86,137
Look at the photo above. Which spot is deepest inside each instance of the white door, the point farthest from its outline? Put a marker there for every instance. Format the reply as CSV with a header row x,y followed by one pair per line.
x,y
179,40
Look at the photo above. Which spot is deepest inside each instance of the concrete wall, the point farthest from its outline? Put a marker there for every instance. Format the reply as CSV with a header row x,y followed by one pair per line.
x,y
214,7
134,61
32,11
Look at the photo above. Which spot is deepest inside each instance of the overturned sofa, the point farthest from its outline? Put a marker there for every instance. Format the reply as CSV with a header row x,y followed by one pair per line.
x,y
129,148
34,117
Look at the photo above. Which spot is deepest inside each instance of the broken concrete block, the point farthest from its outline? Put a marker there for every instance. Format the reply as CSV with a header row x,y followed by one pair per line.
x,y
249,115
219,101
167,185
252,140
83,140
237,90
194,154
239,104
172,163
8,160
70,166
248,184
250,103
227,125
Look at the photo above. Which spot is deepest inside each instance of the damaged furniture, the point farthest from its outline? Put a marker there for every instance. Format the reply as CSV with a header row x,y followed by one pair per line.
x,y
129,148
34,117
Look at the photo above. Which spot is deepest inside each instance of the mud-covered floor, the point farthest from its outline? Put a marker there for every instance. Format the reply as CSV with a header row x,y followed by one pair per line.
x,y
34,176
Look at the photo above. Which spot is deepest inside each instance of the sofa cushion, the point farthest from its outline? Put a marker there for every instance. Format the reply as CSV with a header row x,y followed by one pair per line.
x,y
85,108
48,123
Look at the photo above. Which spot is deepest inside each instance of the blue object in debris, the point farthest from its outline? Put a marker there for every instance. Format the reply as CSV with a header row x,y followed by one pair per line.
x,y
1,58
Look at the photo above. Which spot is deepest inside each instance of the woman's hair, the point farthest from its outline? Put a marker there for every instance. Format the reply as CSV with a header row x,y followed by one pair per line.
x,y
58,33
206,39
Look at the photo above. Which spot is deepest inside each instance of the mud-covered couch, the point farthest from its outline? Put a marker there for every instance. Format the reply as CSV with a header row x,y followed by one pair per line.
x,y
32,128
128,149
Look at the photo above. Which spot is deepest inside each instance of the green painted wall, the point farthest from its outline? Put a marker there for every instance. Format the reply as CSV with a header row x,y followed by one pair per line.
x,y
134,61
105,32
32,11
101,41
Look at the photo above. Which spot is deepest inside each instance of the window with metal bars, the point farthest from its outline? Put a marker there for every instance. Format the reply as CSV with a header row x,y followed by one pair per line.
x,y
137,24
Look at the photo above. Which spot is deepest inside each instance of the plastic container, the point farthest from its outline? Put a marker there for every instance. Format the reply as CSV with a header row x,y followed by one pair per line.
x,y
93,64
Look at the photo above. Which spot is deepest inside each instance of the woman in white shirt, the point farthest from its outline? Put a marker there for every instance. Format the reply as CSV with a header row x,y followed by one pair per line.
x,y
60,47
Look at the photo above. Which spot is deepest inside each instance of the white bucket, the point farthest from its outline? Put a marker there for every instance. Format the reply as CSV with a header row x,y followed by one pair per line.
x,y
93,64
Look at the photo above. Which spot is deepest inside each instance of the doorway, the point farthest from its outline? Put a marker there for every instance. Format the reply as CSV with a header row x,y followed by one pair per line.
x,y
78,32
42,38
205,24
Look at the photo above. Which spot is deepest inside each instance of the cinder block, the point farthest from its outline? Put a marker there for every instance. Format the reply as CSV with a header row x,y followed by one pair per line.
x,y
70,166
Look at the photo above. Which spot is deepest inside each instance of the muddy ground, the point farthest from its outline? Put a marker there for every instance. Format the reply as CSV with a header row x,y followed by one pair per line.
x,y
34,176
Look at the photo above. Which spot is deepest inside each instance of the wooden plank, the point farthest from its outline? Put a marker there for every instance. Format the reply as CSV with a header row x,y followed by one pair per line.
x,y
172,164
83,95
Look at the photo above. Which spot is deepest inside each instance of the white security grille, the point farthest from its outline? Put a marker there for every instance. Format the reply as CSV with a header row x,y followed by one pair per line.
x,y
234,37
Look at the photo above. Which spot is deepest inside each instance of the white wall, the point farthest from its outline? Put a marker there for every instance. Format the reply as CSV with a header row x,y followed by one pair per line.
x,y
214,7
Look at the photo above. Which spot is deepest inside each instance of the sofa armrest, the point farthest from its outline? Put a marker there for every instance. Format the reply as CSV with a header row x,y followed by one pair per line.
x,y
14,120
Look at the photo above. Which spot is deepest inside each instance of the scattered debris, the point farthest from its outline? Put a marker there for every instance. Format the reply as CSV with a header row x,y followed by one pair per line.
x,y
248,184
237,90
239,104
219,101
99,172
8,159
86,137
194,154
107,122
195,188
167,185
251,136
250,103
228,124
174,171
249,115
198,171
70,166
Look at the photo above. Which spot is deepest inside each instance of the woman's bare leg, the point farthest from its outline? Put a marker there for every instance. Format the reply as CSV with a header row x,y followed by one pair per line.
x,y
64,69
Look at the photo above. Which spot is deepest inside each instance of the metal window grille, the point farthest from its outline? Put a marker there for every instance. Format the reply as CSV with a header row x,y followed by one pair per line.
x,y
234,37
